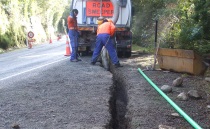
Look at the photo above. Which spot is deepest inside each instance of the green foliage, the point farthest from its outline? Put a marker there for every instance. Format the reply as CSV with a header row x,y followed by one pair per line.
x,y
183,24
202,17
4,40
63,21
16,16
202,46
10,28
147,12
140,49
193,26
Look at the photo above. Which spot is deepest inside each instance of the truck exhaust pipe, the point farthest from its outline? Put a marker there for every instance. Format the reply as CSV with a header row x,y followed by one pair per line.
x,y
116,11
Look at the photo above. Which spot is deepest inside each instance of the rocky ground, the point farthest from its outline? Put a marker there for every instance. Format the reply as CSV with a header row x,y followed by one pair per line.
x,y
144,108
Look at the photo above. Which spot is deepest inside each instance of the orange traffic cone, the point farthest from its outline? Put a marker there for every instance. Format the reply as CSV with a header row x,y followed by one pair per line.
x,y
50,40
68,50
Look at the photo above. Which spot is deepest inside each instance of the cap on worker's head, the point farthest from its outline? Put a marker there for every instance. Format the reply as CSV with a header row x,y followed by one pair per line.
x,y
100,20
75,11
109,20
105,20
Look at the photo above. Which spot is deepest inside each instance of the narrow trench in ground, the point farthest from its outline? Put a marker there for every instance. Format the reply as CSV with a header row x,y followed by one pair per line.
x,y
118,103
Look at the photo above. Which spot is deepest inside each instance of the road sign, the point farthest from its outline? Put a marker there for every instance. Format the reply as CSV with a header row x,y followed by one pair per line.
x,y
93,9
30,34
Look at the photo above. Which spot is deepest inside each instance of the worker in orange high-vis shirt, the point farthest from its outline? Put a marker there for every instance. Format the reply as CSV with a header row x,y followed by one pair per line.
x,y
104,33
73,34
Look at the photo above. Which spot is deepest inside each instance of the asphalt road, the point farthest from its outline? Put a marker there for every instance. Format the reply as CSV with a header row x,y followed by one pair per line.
x,y
25,60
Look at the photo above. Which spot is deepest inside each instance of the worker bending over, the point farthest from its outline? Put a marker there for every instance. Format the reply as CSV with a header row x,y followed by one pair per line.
x,y
104,33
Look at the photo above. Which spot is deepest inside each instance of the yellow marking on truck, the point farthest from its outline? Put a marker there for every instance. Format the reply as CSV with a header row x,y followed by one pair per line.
x,y
91,29
85,28
120,29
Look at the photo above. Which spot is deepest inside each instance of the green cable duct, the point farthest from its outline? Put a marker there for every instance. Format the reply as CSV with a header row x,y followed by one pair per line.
x,y
192,122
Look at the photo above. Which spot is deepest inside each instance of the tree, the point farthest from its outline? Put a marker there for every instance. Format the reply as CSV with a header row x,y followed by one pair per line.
x,y
144,20
16,16
182,24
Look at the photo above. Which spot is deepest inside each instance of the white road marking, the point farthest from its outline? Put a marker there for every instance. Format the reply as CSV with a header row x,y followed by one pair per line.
x,y
41,55
31,69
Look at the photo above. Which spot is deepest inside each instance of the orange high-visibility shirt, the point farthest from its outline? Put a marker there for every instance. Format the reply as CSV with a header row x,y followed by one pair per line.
x,y
71,22
106,28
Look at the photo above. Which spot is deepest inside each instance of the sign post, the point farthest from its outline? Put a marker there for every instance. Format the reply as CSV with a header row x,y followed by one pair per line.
x,y
30,40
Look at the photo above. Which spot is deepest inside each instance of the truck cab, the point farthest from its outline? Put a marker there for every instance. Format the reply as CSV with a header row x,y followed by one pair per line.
x,y
90,10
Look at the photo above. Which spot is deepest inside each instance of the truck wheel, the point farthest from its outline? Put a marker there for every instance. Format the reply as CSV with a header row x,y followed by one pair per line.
x,y
105,59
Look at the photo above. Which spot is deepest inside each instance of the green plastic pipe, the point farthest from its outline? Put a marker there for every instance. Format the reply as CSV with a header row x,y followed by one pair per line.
x,y
192,122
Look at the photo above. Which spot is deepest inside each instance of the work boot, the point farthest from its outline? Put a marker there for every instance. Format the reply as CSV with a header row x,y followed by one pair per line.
x,y
74,60
118,65
92,63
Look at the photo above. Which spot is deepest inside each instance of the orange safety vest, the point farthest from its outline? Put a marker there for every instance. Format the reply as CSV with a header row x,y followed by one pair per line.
x,y
72,23
106,28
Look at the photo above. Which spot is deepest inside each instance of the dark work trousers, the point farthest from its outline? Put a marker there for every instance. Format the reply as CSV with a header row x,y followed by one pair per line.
x,y
73,36
105,40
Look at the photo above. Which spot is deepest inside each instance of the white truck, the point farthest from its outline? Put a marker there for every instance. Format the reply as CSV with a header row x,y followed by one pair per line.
x,y
117,10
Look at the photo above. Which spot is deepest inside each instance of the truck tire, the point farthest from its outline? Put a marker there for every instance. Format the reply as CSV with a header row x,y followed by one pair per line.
x,y
105,59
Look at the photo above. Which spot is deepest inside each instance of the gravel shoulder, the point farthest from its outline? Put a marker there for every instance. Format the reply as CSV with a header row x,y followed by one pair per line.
x,y
67,95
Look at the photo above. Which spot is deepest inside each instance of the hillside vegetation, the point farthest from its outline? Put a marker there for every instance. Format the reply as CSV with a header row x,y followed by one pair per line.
x,y
183,24
20,16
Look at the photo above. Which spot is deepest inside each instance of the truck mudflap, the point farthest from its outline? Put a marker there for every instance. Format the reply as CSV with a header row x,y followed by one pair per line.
x,y
124,43
124,52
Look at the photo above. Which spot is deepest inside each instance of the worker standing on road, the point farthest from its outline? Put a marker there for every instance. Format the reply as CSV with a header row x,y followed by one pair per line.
x,y
104,33
73,34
